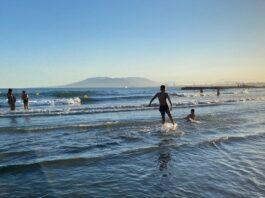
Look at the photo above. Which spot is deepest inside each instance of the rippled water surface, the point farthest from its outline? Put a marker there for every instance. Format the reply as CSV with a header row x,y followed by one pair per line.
x,y
109,143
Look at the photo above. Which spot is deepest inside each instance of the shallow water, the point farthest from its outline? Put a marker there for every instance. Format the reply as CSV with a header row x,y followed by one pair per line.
x,y
111,145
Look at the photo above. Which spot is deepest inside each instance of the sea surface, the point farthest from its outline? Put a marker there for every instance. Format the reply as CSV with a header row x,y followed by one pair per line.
x,y
109,143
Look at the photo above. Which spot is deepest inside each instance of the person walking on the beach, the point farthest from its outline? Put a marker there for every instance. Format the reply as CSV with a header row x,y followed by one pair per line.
x,y
163,97
11,100
25,98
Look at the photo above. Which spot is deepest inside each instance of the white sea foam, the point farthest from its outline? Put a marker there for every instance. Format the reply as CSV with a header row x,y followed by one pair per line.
x,y
46,102
65,106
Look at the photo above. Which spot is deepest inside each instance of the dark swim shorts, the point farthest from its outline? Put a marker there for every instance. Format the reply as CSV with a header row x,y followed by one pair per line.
x,y
25,101
163,109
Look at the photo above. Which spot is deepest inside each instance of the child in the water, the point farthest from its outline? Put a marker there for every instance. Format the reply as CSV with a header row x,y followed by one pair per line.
x,y
191,116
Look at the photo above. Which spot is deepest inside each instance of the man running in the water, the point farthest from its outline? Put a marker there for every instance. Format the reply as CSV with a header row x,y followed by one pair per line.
x,y
162,97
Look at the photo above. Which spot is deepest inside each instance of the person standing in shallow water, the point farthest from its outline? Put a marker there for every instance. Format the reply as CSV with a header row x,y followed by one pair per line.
x,y
163,97
11,99
218,92
25,98
201,92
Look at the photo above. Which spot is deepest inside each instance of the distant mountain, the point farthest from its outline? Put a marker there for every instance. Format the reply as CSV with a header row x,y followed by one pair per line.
x,y
114,82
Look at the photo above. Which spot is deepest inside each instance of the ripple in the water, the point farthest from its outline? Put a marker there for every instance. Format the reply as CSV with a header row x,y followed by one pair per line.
x,y
113,145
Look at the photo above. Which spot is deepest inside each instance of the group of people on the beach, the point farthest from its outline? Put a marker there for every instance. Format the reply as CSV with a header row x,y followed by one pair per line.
x,y
11,100
162,98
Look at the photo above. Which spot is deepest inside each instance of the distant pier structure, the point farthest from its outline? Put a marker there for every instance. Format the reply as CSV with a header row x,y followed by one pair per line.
x,y
220,87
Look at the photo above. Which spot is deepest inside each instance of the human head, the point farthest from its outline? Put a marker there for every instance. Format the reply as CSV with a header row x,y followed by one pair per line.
x,y
10,90
162,88
192,111
23,92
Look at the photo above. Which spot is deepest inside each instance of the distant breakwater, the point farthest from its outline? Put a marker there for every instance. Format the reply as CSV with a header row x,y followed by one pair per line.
x,y
220,87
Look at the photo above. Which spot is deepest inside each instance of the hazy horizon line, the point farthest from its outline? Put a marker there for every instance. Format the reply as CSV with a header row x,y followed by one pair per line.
x,y
169,84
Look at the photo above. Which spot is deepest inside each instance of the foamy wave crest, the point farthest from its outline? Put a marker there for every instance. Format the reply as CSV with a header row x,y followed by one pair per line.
x,y
73,107
87,110
62,101
194,95
191,95
46,102
237,92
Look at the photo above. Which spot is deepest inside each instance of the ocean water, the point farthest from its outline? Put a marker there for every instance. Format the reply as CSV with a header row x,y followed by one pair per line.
x,y
109,143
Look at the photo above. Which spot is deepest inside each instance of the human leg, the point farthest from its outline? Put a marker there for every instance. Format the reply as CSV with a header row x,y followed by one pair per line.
x,y
163,115
170,116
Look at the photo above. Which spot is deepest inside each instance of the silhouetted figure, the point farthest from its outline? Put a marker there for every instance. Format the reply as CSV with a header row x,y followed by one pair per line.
x,y
201,92
218,92
163,97
11,99
25,98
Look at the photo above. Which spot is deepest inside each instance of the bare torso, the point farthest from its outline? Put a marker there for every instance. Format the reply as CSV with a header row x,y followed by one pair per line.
x,y
191,116
162,97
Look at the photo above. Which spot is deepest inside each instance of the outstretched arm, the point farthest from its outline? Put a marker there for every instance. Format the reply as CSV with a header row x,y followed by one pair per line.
x,y
152,100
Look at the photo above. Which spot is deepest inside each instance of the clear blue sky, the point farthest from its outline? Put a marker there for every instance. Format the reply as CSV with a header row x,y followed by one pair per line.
x,y
55,42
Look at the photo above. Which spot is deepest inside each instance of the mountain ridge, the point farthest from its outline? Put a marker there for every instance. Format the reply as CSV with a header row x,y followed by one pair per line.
x,y
113,82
